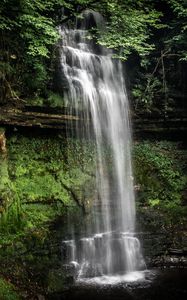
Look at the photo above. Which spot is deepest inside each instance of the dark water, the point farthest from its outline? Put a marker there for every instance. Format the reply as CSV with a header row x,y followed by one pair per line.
x,y
160,284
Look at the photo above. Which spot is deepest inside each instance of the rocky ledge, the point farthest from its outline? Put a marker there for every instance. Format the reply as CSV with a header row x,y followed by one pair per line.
x,y
60,118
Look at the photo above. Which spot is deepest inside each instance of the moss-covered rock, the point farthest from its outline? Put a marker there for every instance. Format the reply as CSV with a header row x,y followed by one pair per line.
x,y
161,177
49,178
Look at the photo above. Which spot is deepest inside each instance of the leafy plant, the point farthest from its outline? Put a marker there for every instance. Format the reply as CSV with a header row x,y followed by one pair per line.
x,y
54,100
160,173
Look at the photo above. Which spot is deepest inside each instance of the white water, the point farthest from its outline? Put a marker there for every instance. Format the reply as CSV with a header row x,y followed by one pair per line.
x,y
96,85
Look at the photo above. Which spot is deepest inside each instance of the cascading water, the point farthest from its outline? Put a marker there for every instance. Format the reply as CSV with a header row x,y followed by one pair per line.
x,y
95,83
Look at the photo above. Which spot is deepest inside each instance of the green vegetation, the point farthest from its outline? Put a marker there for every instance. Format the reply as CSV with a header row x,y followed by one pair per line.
x,y
160,172
158,82
7,291
128,26
48,179
150,35
45,178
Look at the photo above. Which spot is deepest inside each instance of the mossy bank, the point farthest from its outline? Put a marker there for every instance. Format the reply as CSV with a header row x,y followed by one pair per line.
x,y
47,181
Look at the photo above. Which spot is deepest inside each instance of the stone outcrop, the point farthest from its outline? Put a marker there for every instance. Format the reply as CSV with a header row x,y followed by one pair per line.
x,y
59,118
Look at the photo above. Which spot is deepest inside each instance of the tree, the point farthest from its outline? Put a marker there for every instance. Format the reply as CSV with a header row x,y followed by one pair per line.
x,y
128,26
144,31
160,82
28,33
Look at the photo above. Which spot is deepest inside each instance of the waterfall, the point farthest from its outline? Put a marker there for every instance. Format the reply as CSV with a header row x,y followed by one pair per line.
x,y
95,85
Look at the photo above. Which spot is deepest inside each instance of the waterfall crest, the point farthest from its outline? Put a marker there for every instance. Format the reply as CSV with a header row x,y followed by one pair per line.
x,y
95,83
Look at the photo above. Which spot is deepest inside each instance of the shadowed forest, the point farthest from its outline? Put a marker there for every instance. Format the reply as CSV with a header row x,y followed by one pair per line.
x,y
50,164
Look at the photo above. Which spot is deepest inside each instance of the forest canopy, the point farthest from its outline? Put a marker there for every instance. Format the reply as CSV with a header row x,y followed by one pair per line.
x,y
150,34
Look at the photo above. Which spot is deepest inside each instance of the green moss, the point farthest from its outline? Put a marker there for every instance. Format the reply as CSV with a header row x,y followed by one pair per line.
x,y
7,291
160,173
44,174
47,176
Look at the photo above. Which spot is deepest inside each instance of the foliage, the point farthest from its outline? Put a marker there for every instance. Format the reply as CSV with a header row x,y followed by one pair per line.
x,y
178,29
10,219
160,173
7,291
47,176
28,32
150,32
54,100
159,82
127,26
146,92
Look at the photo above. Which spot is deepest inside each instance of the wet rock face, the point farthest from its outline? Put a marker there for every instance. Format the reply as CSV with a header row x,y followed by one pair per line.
x,y
158,252
60,279
170,261
162,246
